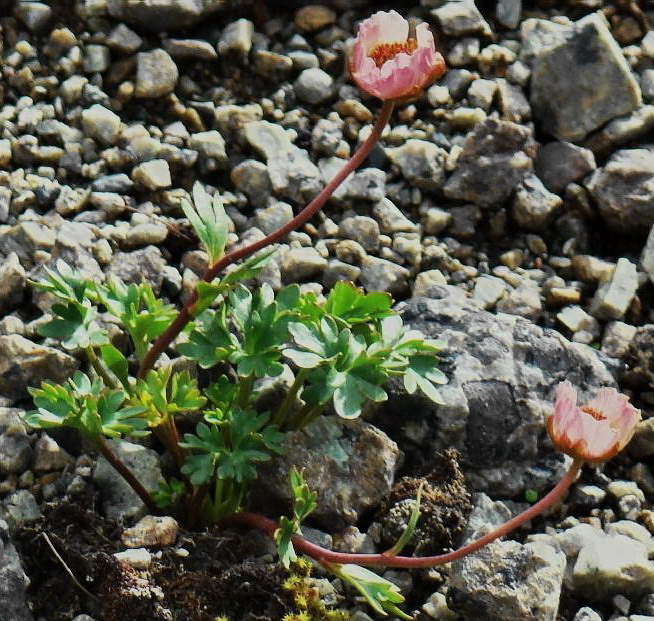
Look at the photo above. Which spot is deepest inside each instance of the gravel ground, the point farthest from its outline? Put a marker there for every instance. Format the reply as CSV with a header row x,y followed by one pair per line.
x,y
509,208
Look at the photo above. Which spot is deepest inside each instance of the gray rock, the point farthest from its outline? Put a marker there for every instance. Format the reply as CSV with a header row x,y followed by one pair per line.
x,y
292,173
610,565
502,371
337,271
156,74
613,296
301,264
232,119
314,85
617,338
152,175
497,150
481,93
271,218
587,614
15,453
514,106
211,148
236,38
13,281
622,130
533,206
119,500
382,275
523,301
124,40
191,48
145,265
624,190
488,290
17,509
508,13
143,234
485,516
24,364
97,58
25,238
421,163
391,219
361,229
350,464
561,163
71,200
581,83
102,124
13,581
252,178
159,15
326,137
460,17
118,182
647,85
367,184
35,15
647,255
49,456
508,580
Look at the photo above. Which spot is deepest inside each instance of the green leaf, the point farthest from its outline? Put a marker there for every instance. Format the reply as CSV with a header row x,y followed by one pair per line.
x,y
169,493
116,363
410,527
250,268
351,305
209,220
282,537
304,500
381,594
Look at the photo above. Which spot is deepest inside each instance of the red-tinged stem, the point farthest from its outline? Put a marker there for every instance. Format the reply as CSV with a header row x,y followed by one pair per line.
x,y
326,557
177,325
127,474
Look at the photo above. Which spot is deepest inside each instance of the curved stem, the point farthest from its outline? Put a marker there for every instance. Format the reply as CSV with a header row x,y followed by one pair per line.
x,y
127,474
100,369
325,556
177,325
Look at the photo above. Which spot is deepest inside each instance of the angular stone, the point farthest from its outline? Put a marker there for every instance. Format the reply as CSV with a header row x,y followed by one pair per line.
x,y
160,531
153,175
13,281
582,82
497,150
460,17
159,15
508,580
101,123
382,275
624,190
292,173
422,163
613,297
156,74
24,364
611,565
119,500
349,463
561,163
302,263
533,206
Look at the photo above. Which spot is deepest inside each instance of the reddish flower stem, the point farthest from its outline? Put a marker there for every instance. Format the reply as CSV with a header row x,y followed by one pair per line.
x,y
177,325
127,474
326,557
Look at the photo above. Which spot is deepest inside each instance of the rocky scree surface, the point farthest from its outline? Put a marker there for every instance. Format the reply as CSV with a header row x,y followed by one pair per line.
x,y
508,209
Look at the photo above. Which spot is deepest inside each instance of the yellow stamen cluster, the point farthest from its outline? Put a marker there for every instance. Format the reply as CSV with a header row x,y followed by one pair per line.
x,y
385,51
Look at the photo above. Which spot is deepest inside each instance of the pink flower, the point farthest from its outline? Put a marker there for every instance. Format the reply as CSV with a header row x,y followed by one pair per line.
x,y
389,62
593,432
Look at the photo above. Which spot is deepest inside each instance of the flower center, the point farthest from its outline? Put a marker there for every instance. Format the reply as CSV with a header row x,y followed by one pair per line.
x,y
386,51
596,414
